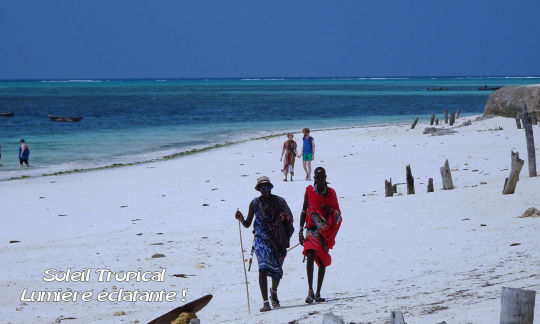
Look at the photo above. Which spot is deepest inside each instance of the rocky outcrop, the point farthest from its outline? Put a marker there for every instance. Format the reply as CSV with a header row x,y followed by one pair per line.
x,y
507,101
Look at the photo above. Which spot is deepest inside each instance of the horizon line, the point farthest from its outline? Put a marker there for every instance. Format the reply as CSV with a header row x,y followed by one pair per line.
x,y
269,78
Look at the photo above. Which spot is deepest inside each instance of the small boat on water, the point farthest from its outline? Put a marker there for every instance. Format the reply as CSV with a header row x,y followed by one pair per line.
x,y
8,114
65,118
485,87
437,89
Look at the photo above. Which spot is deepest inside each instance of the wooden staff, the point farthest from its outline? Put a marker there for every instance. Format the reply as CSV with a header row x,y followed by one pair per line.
x,y
293,247
244,263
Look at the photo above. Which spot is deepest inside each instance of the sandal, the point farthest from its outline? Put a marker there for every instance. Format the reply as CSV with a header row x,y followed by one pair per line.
x,y
319,299
266,307
274,299
310,297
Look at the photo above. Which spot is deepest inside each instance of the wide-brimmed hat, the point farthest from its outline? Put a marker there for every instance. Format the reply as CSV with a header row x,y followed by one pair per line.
x,y
262,181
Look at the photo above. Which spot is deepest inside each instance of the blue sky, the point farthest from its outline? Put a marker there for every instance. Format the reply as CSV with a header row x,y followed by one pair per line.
x,y
65,39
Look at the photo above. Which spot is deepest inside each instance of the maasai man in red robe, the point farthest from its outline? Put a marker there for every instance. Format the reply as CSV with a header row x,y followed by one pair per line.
x,y
322,219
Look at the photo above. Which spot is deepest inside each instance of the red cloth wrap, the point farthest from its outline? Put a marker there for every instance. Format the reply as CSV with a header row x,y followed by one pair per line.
x,y
325,225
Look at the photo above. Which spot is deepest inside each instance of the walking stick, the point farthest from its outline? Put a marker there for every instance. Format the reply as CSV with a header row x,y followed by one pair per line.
x,y
244,263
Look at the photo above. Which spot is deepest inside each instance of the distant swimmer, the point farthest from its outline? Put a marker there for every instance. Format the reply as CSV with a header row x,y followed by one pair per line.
x,y
24,153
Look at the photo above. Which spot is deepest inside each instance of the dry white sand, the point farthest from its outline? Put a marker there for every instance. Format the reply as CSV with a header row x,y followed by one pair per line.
x,y
434,256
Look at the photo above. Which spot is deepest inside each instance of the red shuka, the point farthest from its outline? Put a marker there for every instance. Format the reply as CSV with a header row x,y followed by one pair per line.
x,y
322,226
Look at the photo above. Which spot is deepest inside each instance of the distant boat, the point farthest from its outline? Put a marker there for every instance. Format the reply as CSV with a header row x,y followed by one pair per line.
x,y
437,89
65,118
9,114
485,87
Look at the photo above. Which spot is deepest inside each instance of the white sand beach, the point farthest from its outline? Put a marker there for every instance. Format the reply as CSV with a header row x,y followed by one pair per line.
x,y
441,256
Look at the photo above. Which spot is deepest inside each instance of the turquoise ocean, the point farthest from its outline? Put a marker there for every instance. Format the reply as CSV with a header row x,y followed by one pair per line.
x,y
139,120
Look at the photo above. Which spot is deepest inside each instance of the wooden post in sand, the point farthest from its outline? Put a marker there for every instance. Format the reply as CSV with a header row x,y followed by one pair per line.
x,y
437,121
518,121
414,123
517,306
511,182
396,318
458,112
446,116
452,118
432,119
410,180
430,185
446,177
388,190
534,117
530,142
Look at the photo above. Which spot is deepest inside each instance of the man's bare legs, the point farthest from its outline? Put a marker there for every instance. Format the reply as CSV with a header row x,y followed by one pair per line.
x,y
320,278
307,168
263,284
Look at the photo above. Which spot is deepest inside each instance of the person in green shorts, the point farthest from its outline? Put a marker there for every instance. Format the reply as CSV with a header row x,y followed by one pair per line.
x,y
308,152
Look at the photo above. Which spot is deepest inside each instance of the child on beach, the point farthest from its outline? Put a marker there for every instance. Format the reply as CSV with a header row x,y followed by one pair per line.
x,y
24,153
289,148
308,152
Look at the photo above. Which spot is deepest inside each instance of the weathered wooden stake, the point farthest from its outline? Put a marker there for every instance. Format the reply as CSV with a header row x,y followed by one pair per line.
x,y
458,112
397,318
511,182
414,123
531,154
410,181
437,121
394,188
518,123
446,177
388,190
517,306
446,116
430,185
452,118
432,119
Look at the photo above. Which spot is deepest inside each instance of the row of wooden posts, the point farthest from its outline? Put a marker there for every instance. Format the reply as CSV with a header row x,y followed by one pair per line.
x,y
516,163
446,175
517,307
453,117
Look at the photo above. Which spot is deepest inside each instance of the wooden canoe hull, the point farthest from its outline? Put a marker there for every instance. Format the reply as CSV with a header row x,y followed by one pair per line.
x,y
192,307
